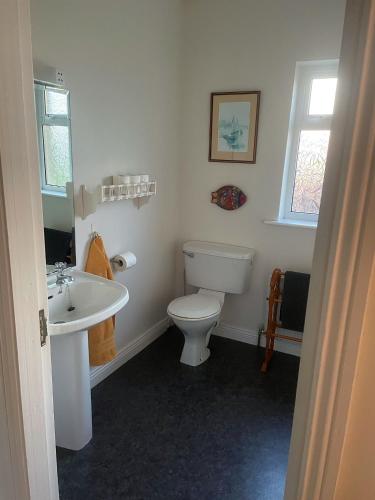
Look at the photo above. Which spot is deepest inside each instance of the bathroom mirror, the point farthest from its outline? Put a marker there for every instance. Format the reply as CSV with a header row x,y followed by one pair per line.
x,y
56,172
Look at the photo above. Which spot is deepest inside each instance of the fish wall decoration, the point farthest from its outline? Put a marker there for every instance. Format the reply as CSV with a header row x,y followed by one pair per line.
x,y
228,197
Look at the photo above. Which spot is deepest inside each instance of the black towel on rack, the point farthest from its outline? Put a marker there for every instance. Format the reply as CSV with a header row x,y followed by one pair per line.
x,y
294,300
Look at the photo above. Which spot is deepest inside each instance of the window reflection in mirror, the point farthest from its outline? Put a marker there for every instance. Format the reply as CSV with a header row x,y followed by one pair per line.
x,y
56,172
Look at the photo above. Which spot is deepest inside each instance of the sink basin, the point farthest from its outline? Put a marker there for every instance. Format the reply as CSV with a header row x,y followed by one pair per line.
x,y
88,300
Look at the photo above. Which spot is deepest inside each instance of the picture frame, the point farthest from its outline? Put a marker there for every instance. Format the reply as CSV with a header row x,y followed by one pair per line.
x,y
234,126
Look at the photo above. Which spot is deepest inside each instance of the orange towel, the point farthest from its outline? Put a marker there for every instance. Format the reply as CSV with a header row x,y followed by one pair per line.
x,y
102,347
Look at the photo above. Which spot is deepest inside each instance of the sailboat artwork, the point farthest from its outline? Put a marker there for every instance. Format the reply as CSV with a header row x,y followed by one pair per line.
x,y
228,197
234,126
234,120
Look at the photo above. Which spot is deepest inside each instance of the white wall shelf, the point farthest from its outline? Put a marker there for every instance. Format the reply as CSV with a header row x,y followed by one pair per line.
x,y
115,192
88,201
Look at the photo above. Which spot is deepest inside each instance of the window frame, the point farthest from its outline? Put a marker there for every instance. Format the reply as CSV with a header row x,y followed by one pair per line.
x,y
42,118
306,72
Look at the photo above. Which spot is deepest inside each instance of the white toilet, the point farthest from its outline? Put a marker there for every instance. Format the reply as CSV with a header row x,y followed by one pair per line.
x,y
216,269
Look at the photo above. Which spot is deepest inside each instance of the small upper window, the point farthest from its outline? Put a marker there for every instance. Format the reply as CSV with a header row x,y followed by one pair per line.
x,y
53,122
309,130
56,101
322,97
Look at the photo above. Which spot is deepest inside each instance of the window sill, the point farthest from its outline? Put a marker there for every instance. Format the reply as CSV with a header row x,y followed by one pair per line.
x,y
58,194
292,223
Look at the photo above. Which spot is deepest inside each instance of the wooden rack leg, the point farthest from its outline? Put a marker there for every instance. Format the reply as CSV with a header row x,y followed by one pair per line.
x,y
274,300
270,341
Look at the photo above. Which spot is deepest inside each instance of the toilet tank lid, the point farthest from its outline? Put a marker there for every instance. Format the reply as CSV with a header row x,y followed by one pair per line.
x,y
219,249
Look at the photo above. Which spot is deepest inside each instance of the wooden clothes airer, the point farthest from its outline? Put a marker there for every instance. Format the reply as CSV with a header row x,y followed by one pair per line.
x,y
275,300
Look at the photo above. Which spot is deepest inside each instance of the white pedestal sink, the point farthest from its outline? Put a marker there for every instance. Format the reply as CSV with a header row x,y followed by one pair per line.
x,y
85,302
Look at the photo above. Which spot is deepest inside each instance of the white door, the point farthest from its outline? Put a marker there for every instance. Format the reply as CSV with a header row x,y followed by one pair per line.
x,y
26,407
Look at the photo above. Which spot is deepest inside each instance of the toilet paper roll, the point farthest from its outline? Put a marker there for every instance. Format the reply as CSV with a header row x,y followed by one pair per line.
x,y
123,261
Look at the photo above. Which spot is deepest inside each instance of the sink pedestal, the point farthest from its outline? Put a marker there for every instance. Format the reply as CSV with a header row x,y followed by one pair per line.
x,y
71,390
86,302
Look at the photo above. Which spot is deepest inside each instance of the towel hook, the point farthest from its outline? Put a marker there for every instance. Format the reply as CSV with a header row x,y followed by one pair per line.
x,y
94,234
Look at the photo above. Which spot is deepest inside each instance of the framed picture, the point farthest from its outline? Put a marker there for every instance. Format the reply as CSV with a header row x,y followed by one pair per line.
x,y
234,126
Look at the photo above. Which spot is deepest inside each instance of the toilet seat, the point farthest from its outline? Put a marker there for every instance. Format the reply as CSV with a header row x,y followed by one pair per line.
x,y
194,307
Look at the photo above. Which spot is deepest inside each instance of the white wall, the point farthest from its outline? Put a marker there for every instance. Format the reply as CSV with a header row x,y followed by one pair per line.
x,y
138,106
121,61
248,45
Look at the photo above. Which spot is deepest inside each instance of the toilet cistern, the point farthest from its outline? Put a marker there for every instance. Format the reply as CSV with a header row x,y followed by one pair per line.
x,y
215,269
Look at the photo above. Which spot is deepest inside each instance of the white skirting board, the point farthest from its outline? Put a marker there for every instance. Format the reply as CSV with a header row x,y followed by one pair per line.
x,y
99,373
251,337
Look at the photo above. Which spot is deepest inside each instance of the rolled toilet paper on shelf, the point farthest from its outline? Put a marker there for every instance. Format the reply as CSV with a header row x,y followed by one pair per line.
x,y
123,261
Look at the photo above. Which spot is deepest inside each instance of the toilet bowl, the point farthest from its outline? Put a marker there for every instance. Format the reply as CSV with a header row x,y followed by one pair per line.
x,y
215,269
196,315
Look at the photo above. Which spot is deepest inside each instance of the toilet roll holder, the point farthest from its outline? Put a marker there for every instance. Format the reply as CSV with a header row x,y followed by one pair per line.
x,y
122,262
117,261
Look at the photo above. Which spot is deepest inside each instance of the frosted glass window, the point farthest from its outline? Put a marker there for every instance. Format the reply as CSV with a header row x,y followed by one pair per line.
x,y
311,162
322,98
56,102
57,161
310,123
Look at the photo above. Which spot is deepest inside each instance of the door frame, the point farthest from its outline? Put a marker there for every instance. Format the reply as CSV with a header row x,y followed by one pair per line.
x,y
26,398
344,242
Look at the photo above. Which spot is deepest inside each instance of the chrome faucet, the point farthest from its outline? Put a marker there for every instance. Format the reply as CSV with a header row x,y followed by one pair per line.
x,y
61,277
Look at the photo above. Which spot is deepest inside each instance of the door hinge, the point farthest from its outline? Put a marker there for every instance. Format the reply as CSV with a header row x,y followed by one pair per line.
x,y
43,327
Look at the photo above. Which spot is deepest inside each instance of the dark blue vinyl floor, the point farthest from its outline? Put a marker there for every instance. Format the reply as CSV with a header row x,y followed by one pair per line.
x,y
163,430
